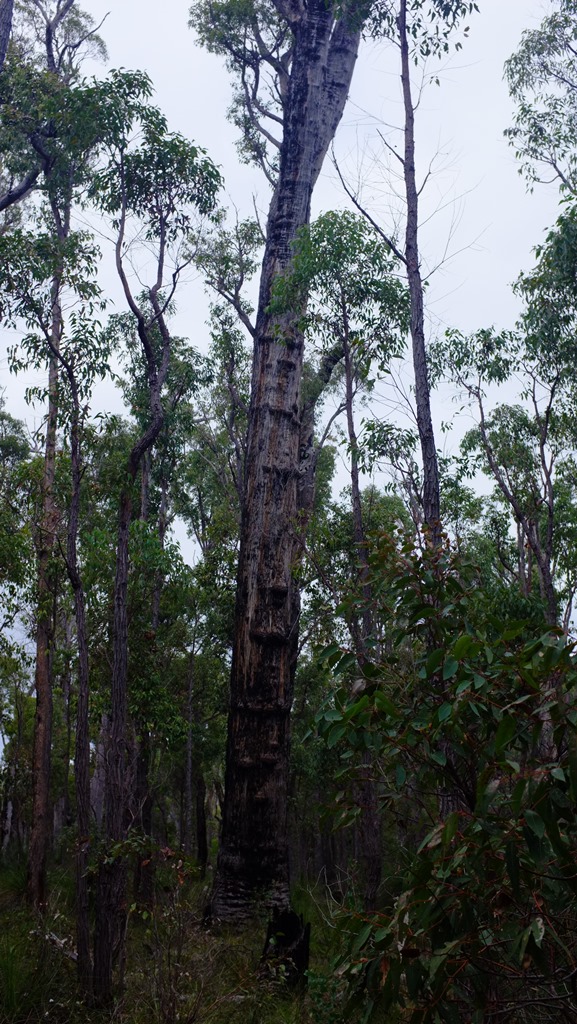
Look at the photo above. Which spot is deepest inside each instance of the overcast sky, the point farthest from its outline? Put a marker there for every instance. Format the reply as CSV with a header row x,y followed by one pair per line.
x,y
487,218
462,121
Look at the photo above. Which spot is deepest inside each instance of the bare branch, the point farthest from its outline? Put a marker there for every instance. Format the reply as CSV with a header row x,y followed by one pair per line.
x,y
386,238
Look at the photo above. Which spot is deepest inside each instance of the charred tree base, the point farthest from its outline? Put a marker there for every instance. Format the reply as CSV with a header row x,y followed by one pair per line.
x,y
286,950
234,902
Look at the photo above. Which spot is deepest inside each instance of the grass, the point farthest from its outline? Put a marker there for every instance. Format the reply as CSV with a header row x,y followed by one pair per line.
x,y
177,972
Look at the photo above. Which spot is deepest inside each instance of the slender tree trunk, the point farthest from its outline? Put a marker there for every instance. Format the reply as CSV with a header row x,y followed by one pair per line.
x,y
144,874
110,903
82,746
6,10
110,925
201,832
431,496
369,825
41,830
188,771
253,855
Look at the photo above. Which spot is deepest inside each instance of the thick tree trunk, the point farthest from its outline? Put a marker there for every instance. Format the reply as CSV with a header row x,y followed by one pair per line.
x,y
253,856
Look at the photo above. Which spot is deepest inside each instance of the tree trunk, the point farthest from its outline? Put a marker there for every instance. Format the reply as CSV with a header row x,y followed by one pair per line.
x,y
369,824
431,495
6,9
144,873
110,903
201,833
41,831
110,925
253,856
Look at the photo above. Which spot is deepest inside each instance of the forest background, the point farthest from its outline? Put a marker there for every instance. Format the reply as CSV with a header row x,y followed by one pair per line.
x,y
426,808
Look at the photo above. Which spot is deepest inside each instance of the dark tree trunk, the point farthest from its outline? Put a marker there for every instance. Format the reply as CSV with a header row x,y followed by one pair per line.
x,y
82,748
188,768
253,856
41,831
431,495
201,832
369,824
6,9
144,874
110,900
110,925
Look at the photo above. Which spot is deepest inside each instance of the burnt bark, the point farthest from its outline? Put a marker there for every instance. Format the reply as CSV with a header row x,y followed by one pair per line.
x,y
253,855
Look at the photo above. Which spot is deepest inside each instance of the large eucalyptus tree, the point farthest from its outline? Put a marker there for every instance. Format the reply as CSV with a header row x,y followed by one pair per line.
x,y
293,63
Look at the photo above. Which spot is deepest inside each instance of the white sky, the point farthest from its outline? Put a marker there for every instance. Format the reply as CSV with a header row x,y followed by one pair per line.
x,y
463,120
494,221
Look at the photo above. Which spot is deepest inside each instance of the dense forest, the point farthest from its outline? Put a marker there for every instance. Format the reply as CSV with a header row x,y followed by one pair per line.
x,y
287,683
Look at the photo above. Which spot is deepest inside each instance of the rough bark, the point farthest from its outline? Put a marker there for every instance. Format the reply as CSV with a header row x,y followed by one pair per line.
x,y
253,855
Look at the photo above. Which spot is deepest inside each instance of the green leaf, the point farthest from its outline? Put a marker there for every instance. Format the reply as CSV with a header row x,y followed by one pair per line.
x,y
445,712
462,646
336,733
434,661
450,668
535,822
362,937
505,731
382,703
451,827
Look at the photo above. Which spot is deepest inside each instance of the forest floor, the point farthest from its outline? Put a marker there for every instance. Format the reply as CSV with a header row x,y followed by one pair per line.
x,y
175,970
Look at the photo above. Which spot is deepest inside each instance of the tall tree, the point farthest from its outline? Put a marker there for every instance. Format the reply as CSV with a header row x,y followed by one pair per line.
x,y
40,122
158,188
304,53
417,30
356,318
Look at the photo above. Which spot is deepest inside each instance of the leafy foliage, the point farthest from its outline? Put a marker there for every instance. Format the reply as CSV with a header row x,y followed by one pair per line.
x,y
482,724
542,77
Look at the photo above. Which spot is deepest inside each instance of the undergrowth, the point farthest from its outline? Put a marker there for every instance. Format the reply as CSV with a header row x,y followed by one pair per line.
x,y
177,971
